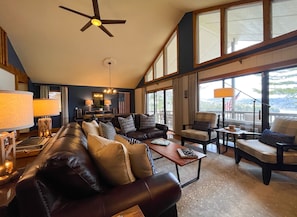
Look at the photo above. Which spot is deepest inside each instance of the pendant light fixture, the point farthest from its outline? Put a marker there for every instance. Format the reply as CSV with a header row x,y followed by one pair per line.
x,y
108,62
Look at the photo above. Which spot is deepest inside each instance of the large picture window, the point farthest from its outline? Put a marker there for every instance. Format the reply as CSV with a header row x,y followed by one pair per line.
x,y
209,36
244,26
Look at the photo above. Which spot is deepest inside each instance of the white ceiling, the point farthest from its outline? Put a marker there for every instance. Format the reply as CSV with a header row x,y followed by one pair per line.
x,y
53,50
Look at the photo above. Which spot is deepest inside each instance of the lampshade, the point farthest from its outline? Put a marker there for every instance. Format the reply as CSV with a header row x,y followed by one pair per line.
x,y
223,92
16,110
89,102
107,102
45,107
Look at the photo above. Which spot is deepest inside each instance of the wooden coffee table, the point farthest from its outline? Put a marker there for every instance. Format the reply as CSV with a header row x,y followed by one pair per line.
x,y
170,152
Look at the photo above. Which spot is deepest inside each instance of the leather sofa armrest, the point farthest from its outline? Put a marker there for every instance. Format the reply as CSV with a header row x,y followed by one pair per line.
x,y
154,195
163,127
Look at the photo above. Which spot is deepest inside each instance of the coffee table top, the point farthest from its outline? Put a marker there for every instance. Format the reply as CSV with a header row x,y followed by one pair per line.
x,y
170,152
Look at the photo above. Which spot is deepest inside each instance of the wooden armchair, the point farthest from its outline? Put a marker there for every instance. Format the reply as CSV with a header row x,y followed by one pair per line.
x,y
202,130
276,149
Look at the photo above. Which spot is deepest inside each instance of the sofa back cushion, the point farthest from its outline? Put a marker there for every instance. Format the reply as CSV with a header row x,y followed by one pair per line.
x,y
69,169
285,125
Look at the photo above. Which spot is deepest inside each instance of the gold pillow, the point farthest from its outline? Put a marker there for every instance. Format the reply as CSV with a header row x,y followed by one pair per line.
x,y
112,160
138,154
90,127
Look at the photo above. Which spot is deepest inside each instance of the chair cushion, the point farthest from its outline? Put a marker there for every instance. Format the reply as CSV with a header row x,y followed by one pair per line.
x,y
127,124
112,160
140,157
201,125
197,134
147,121
263,152
271,138
107,130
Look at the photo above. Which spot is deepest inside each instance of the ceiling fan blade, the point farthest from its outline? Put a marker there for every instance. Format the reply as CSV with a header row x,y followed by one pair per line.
x,y
76,12
105,30
113,21
96,8
88,24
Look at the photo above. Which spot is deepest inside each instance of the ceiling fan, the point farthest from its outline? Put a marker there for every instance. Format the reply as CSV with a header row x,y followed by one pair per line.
x,y
96,19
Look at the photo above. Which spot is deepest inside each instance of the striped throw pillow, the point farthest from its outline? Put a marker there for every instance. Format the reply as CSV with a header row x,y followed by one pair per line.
x,y
127,124
147,121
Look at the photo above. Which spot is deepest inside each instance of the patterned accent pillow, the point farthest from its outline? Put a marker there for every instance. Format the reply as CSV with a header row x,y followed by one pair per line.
x,y
201,125
147,121
107,130
127,124
271,138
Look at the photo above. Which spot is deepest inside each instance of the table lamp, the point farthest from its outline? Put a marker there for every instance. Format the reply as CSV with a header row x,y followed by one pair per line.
x,y
89,103
16,112
44,108
222,93
107,102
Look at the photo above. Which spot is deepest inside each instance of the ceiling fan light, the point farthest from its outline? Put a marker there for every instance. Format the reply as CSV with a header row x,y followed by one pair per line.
x,y
96,22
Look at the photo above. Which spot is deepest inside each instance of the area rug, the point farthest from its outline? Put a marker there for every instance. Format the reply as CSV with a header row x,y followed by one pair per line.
x,y
227,189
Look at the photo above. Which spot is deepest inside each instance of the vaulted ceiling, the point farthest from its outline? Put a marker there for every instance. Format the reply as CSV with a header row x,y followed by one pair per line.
x,y
53,50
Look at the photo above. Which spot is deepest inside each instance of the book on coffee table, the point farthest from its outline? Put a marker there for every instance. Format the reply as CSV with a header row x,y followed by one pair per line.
x,y
160,141
186,153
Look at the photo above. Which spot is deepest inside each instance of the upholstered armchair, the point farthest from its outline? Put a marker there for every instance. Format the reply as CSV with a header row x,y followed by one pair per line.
x,y
275,149
202,130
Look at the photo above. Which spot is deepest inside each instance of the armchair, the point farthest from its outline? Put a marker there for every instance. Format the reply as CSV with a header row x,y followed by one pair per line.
x,y
276,149
202,130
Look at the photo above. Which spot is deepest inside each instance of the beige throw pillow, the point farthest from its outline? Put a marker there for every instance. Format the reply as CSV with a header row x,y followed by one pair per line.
x,y
90,127
112,159
138,154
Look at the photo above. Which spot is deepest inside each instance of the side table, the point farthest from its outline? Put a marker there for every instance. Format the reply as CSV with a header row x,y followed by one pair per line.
x,y
238,132
134,211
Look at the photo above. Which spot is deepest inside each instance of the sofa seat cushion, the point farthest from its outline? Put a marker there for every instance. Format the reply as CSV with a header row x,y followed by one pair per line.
x,y
142,164
197,134
153,132
70,169
139,135
265,153
112,160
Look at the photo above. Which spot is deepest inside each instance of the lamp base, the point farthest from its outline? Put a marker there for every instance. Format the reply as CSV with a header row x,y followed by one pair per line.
x,y
45,127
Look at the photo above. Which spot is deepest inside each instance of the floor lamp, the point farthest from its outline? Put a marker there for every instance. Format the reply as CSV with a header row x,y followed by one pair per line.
x,y
16,113
222,93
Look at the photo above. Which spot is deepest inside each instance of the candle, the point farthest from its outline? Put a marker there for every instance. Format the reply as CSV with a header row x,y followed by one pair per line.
x,y
9,166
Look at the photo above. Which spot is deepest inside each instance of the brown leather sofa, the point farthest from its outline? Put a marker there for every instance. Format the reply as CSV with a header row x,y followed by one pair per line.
x,y
157,131
63,181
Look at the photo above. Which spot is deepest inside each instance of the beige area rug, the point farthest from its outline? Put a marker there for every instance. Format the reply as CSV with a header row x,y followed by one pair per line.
x,y
229,190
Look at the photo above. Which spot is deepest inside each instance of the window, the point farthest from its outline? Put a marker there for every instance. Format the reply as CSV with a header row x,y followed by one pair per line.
x,y
284,14
282,92
244,26
166,62
149,75
171,55
209,36
158,68
56,95
160,103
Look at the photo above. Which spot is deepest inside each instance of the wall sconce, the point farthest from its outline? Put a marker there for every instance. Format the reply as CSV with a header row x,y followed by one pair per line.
x,y
45,108
16,112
